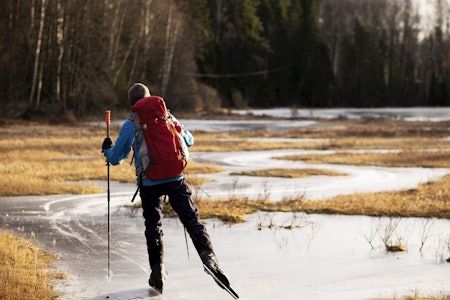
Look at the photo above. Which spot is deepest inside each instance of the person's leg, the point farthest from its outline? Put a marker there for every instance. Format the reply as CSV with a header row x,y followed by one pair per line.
x,y
181,201
152,205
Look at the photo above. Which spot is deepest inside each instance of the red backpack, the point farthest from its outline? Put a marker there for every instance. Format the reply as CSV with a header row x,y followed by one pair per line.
x,y
162,150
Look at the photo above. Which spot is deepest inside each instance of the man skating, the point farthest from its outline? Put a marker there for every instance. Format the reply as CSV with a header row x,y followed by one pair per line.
x,y
152,193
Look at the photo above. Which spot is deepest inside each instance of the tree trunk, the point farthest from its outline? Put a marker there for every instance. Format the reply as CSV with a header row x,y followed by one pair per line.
x,y
169,49
60,43
39,86
115,33
122,64
146,37
37,54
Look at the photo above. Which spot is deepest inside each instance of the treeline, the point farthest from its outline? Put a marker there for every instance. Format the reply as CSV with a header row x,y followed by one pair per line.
x,y
81,56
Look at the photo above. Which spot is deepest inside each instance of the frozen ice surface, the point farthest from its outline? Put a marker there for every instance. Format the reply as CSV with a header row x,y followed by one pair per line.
x,y
322,257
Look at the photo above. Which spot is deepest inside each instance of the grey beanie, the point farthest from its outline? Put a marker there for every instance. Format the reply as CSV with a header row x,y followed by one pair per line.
x,y
137,92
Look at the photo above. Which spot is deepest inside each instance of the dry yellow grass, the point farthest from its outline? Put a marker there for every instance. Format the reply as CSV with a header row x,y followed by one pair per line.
x,y
372,134
203,168
229,211
211,145
47,158
371,143
24,270
416,296
425,159
289,173
429,200
390,130
337,135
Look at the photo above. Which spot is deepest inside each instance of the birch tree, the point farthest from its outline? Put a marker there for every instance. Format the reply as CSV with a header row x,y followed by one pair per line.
x,y
169,48
146,37
37,79
60,43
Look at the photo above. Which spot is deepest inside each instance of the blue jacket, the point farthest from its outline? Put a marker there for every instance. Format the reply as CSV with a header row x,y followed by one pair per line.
x,y
122,147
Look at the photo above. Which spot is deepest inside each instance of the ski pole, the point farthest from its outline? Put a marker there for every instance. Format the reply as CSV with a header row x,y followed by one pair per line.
x,y
108,123
187,246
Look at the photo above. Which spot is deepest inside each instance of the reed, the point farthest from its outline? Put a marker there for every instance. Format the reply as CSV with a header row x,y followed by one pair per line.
x,y
25,270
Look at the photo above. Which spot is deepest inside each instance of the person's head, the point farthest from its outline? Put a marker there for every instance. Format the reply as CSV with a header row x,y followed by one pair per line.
x,y
137,92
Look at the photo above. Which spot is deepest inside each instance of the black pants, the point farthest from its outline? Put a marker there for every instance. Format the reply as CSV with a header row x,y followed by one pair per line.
x,y
180,199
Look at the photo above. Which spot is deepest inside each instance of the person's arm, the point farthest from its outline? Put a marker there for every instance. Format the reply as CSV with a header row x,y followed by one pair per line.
x,y
187,135
120,150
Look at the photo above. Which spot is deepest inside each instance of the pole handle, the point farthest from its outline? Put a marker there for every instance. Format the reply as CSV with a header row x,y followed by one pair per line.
x,y
108,117
107,121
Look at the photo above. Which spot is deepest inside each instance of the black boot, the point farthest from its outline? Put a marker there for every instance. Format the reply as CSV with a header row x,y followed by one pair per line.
x,y
202,244
156,254
156,279
210,261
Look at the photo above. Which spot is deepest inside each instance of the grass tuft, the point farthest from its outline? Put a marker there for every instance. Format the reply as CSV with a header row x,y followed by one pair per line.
x,y
25,270
424,159
289,173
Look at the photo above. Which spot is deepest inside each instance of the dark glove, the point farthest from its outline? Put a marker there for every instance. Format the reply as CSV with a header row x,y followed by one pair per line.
x,y
107,143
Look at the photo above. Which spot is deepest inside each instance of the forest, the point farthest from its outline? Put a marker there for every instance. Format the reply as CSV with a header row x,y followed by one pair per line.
x,y
81,56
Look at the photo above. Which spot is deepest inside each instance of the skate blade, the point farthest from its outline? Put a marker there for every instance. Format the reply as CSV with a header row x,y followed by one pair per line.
x,y
220,283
